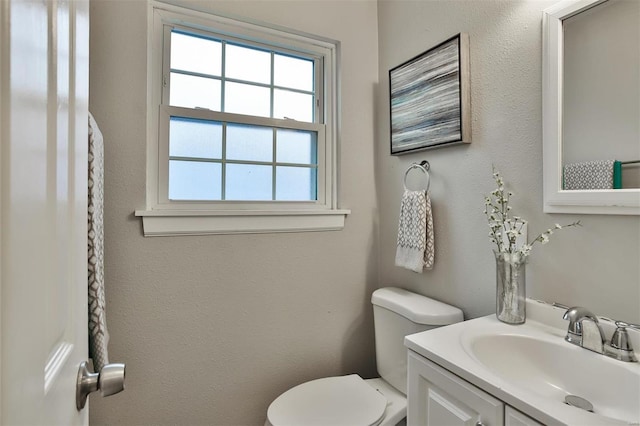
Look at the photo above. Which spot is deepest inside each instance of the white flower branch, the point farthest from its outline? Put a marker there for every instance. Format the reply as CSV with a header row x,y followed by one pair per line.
x,y
505,227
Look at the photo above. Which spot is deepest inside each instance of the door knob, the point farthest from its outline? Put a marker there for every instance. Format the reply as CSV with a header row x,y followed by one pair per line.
x,y
110,380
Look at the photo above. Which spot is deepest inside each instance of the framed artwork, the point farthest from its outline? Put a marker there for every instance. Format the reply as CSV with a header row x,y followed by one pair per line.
x,y
430,98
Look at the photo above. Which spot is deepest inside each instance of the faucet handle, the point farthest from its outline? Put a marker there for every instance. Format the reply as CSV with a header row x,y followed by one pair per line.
x,y
620,338
620,345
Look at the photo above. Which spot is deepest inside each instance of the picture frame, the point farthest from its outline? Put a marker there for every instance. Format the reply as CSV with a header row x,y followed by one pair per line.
x,y
430,100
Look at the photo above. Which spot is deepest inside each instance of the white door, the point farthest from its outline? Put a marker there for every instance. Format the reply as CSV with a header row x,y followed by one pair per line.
x,y
43,209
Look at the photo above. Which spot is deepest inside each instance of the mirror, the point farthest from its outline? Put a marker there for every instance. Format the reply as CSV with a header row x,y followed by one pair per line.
x,y
591,107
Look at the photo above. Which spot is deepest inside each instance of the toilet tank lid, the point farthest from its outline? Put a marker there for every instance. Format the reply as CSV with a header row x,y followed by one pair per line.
x,y
415,307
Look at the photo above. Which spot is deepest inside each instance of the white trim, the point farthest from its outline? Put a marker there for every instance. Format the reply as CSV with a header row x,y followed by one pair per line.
x,y
249,29
4,132
154,83
205,114
557,200
164,217
165,223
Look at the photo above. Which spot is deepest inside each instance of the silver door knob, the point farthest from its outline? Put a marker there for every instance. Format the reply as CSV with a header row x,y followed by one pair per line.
x,y
110,381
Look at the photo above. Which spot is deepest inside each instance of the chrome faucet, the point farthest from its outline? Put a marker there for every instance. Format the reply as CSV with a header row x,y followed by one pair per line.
x,y
585,331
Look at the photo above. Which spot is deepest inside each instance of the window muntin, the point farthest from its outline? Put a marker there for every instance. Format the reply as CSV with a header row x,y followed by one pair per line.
x,y
240,161
163,216
232,157
223,75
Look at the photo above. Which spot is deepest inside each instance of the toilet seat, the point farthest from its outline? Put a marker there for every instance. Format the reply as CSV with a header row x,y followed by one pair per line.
x,y
344,400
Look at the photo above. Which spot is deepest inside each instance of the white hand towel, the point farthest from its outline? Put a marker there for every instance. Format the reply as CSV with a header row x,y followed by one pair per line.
x,y
415,247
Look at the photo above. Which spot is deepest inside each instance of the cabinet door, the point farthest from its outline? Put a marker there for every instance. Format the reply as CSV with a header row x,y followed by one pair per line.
x,y
437,397
513,417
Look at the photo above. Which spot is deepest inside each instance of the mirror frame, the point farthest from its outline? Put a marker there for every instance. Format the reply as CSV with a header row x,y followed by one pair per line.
x,y
556,199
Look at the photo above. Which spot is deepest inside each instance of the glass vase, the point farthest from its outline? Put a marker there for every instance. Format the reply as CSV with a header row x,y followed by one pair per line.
x,y
510,287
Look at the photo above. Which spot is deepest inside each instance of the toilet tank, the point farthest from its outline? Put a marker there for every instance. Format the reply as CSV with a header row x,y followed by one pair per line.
x,y
397,313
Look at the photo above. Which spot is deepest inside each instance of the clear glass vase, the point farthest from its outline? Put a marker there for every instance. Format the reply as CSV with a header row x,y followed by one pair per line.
x,y
510,287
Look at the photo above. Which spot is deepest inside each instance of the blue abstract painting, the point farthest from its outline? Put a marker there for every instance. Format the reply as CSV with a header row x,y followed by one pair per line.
x,y
427,96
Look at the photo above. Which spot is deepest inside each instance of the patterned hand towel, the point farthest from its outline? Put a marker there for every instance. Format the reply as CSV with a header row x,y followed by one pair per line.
x,y
415,248
589,175
98,334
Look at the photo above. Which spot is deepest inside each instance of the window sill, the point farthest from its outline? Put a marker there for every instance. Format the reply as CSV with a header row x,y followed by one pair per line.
x,y
157,223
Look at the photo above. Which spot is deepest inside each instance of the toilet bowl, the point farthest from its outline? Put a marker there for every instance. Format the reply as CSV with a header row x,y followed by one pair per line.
x,y
342,400
353,401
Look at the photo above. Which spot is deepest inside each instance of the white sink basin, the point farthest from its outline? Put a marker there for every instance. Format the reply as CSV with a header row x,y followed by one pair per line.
x,y
555,369
533,369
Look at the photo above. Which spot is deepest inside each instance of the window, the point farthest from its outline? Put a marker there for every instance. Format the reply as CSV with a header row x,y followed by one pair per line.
x,y
242,127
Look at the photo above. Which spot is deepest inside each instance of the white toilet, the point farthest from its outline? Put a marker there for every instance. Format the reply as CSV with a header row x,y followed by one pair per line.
x,y
351,400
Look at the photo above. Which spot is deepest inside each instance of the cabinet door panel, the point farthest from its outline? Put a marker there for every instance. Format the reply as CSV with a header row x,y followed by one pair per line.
x,y
513,417
443,409
437,397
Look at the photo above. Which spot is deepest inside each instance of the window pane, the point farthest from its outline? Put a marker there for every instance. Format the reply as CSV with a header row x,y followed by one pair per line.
x,y
296,146
249,143
294,73
192,180
195,138
247,99
297,106
295,183
190,92
248,182
195,54
248,64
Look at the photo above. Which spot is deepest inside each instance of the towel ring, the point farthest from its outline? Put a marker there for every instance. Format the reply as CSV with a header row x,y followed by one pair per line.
x,y
422,166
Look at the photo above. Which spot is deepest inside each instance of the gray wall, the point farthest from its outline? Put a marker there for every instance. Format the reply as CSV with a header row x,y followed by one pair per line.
x,y
596,266
214,328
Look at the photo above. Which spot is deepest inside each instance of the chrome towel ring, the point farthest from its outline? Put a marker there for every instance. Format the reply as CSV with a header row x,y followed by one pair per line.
x,y
424,167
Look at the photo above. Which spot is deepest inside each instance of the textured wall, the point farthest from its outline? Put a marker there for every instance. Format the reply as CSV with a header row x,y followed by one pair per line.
x,y
596,266
213,328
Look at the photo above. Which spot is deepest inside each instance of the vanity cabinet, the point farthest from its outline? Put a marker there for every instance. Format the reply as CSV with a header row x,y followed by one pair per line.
x,y
436,397
513,417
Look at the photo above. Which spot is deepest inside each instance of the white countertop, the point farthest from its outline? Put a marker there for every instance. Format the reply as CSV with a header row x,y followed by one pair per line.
x,y
447,347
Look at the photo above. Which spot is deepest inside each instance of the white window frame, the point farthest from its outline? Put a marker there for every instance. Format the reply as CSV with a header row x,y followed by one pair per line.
x,y
166,217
